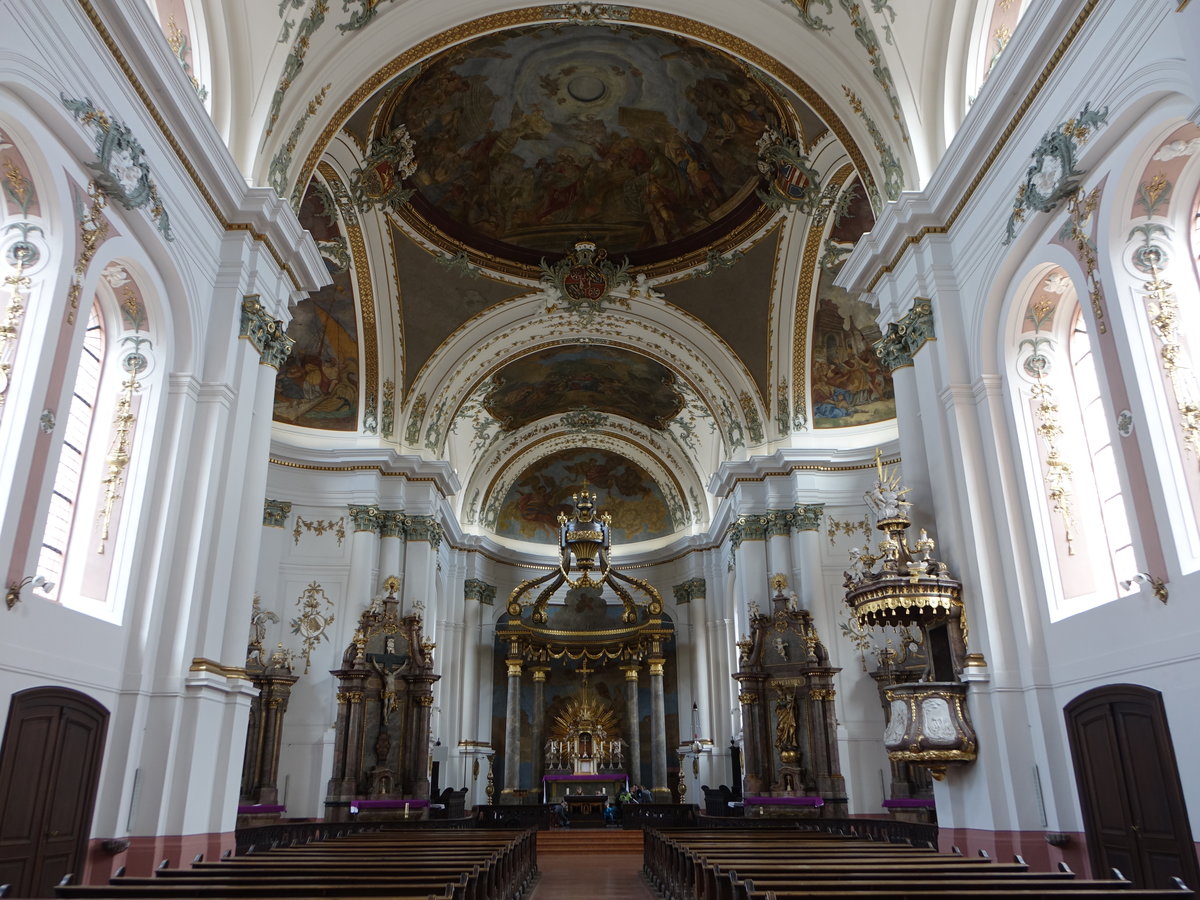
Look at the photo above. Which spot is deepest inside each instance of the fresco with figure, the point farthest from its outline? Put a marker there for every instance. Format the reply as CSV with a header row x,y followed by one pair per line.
x,y
585,610
535,137
600,379
849,385
626,491
318,385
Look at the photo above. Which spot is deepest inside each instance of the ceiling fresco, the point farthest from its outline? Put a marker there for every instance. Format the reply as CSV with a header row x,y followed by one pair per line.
x,y
527,140
572,377
625,491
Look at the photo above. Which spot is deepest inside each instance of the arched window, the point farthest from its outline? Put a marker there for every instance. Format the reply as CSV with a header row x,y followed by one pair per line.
x,y
1096,445
1084,533
64,497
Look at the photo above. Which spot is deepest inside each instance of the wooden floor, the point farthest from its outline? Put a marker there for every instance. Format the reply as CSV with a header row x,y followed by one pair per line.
x,y
590,865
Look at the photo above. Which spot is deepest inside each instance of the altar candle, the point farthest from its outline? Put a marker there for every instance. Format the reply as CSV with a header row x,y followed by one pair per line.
x,y
406,809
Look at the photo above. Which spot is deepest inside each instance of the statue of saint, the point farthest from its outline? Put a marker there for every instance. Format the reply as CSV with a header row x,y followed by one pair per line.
x,y
785,724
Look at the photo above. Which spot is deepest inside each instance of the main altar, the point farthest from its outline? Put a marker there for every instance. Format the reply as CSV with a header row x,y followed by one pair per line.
x,y
577,670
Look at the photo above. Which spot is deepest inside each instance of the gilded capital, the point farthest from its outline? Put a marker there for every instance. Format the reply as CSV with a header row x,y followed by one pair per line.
x,y
365,518
631,672
539,673
275,512
265,334
514,667
747,697
656,666
474,589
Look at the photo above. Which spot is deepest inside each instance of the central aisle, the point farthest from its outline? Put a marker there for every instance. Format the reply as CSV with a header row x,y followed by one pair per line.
x,y
590,864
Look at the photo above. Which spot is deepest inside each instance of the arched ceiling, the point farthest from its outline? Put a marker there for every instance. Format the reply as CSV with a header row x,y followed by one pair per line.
x,y
717,162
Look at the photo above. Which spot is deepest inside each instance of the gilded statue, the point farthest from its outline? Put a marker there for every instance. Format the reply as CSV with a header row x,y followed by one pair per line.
x,y
785,723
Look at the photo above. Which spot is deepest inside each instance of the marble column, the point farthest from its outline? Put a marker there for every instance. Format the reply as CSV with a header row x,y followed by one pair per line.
x,y
658,731
537,750
633,764
512,732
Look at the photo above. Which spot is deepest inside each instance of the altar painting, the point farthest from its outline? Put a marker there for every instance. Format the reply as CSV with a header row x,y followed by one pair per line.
x,y
626,492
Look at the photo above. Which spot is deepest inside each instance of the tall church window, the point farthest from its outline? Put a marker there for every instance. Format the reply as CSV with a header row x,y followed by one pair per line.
x,y
64,497
1085,537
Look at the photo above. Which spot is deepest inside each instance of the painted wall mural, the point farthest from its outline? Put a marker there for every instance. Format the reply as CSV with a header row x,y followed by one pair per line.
x,y
318,385
602,379
626,492
535,137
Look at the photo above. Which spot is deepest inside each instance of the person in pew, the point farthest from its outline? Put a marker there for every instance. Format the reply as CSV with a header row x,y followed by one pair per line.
x,y
610,813
642,794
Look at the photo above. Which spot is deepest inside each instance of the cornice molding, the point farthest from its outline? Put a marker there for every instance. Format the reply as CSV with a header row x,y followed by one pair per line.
x,y
386,463
783,463
1039,45
136,44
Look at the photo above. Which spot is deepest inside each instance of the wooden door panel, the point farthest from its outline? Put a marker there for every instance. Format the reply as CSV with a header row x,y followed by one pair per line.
x,y
22,773
1129,786
49,770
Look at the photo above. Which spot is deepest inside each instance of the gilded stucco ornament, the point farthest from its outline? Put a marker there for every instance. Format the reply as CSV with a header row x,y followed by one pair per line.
x,y
1052,176
122,172
379,182
792,182
316,615
584,279
609,14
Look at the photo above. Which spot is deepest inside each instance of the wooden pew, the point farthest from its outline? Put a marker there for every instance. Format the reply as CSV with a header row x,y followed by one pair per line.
x,y
491,866
791,866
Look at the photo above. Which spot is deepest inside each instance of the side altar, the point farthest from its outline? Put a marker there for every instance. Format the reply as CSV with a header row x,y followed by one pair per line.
x,y
385,695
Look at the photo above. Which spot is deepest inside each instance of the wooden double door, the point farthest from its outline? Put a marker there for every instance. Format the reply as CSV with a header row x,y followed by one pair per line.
x,y
49,771
1129,787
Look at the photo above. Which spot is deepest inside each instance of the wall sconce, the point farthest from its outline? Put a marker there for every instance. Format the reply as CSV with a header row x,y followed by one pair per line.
x,y
13,595
1156,584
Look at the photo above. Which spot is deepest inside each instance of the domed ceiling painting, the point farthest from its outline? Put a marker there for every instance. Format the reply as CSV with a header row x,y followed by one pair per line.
x,y
624,490
599,379
529,139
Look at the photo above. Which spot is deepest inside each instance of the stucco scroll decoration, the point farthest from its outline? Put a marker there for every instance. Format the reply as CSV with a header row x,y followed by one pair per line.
x,y
1052,177
379,181
316,615
122,172
904,338
588,13
792,183
584,279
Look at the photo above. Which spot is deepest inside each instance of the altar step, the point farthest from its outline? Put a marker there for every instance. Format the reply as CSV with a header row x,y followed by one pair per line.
x,y
589,840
